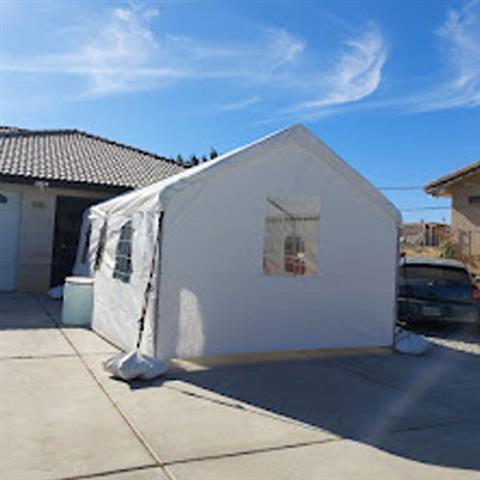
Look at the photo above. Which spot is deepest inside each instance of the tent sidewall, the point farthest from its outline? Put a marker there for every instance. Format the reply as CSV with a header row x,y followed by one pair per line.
x,y
214,296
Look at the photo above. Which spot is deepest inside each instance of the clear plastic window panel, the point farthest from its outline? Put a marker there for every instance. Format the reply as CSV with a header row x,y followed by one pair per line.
x,y
291,231
123,254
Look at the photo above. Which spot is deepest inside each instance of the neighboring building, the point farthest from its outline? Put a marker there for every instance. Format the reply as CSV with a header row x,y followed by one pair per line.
x,y
47,179
463,187
428,234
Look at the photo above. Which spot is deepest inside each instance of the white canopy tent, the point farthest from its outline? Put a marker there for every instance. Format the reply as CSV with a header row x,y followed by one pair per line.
x,y
278,245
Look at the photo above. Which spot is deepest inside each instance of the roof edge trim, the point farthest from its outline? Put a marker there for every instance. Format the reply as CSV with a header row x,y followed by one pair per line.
x,y
436,186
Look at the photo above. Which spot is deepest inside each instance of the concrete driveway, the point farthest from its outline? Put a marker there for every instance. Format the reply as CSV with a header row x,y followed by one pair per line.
x,y
306,415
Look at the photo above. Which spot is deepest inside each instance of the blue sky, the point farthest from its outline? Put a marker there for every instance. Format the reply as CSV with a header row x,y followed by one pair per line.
x,y
392,86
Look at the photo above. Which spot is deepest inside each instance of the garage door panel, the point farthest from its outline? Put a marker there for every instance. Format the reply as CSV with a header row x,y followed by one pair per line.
x,y
9,222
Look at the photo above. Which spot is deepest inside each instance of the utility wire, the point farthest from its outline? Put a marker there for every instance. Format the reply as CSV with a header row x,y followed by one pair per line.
x,y
399,188
416,209
412,188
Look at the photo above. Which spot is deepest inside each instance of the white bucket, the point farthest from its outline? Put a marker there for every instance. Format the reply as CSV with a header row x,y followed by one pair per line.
x,y
77,301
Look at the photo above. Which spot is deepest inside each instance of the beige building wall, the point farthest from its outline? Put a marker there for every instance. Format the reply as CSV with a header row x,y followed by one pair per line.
x,y
37,220
36,231
466,214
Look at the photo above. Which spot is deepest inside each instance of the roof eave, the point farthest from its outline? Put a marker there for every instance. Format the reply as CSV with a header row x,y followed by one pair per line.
x,y
437,190
66,184
440,186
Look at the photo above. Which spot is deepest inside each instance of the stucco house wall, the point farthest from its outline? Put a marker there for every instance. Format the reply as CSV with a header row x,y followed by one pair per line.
x,y
36,230
466,213
48,178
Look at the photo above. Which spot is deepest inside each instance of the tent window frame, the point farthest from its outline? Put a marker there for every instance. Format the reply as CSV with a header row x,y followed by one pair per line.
x,y
123,254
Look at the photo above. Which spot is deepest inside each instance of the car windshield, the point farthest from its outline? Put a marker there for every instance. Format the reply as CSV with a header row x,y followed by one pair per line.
x,y
421,273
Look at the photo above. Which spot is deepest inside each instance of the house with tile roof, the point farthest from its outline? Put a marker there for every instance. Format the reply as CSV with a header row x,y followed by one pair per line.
x,y
463,187
47,179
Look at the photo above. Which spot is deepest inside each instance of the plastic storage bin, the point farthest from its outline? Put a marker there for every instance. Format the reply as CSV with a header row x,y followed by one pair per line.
x,y
77,301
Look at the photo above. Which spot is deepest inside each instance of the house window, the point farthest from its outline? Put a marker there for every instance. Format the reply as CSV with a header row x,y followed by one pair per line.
x,y
123,254
290,245
474,199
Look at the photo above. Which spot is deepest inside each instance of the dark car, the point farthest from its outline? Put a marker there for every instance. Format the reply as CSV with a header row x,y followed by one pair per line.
x,y
434,289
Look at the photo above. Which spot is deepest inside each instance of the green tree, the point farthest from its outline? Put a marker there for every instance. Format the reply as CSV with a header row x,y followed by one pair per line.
x,y
213,153
193,160
179,159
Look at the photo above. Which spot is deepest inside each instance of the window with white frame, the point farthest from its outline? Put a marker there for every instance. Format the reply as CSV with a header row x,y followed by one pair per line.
x,y
290,245
123,254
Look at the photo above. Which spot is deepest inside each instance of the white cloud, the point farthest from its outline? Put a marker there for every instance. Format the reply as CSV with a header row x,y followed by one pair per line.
x,y
284,47
357,72
115,60
116,56
460,36
239,105
122,52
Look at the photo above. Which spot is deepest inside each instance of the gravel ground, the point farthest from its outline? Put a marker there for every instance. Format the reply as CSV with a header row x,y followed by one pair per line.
x,y
465,338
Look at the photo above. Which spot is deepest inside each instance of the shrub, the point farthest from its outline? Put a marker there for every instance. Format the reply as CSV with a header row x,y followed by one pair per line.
x,y
448,248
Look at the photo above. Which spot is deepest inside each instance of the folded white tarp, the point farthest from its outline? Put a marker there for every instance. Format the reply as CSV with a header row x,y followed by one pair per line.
x,y
133,365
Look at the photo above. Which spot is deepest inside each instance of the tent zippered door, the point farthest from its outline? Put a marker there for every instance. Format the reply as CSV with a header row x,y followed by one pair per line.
x,y
156,262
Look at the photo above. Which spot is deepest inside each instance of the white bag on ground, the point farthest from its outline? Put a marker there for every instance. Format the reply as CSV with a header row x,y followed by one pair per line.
x,y
132,365
410,343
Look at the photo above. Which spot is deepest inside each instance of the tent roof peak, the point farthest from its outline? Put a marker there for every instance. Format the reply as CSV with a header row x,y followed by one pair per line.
x,y
297,134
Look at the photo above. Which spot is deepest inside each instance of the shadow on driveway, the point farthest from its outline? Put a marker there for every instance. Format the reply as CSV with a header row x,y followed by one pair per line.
x,y
426,409
23,311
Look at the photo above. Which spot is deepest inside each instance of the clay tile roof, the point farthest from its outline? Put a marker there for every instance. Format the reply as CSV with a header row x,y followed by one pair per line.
x,y
76,156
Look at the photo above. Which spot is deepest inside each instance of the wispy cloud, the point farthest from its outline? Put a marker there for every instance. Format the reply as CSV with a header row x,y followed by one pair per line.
x,y
460,37
239,105
124,50
356,75
123,53
115,57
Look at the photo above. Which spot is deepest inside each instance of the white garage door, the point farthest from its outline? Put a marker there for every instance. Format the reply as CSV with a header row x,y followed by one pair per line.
x,y
9,221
